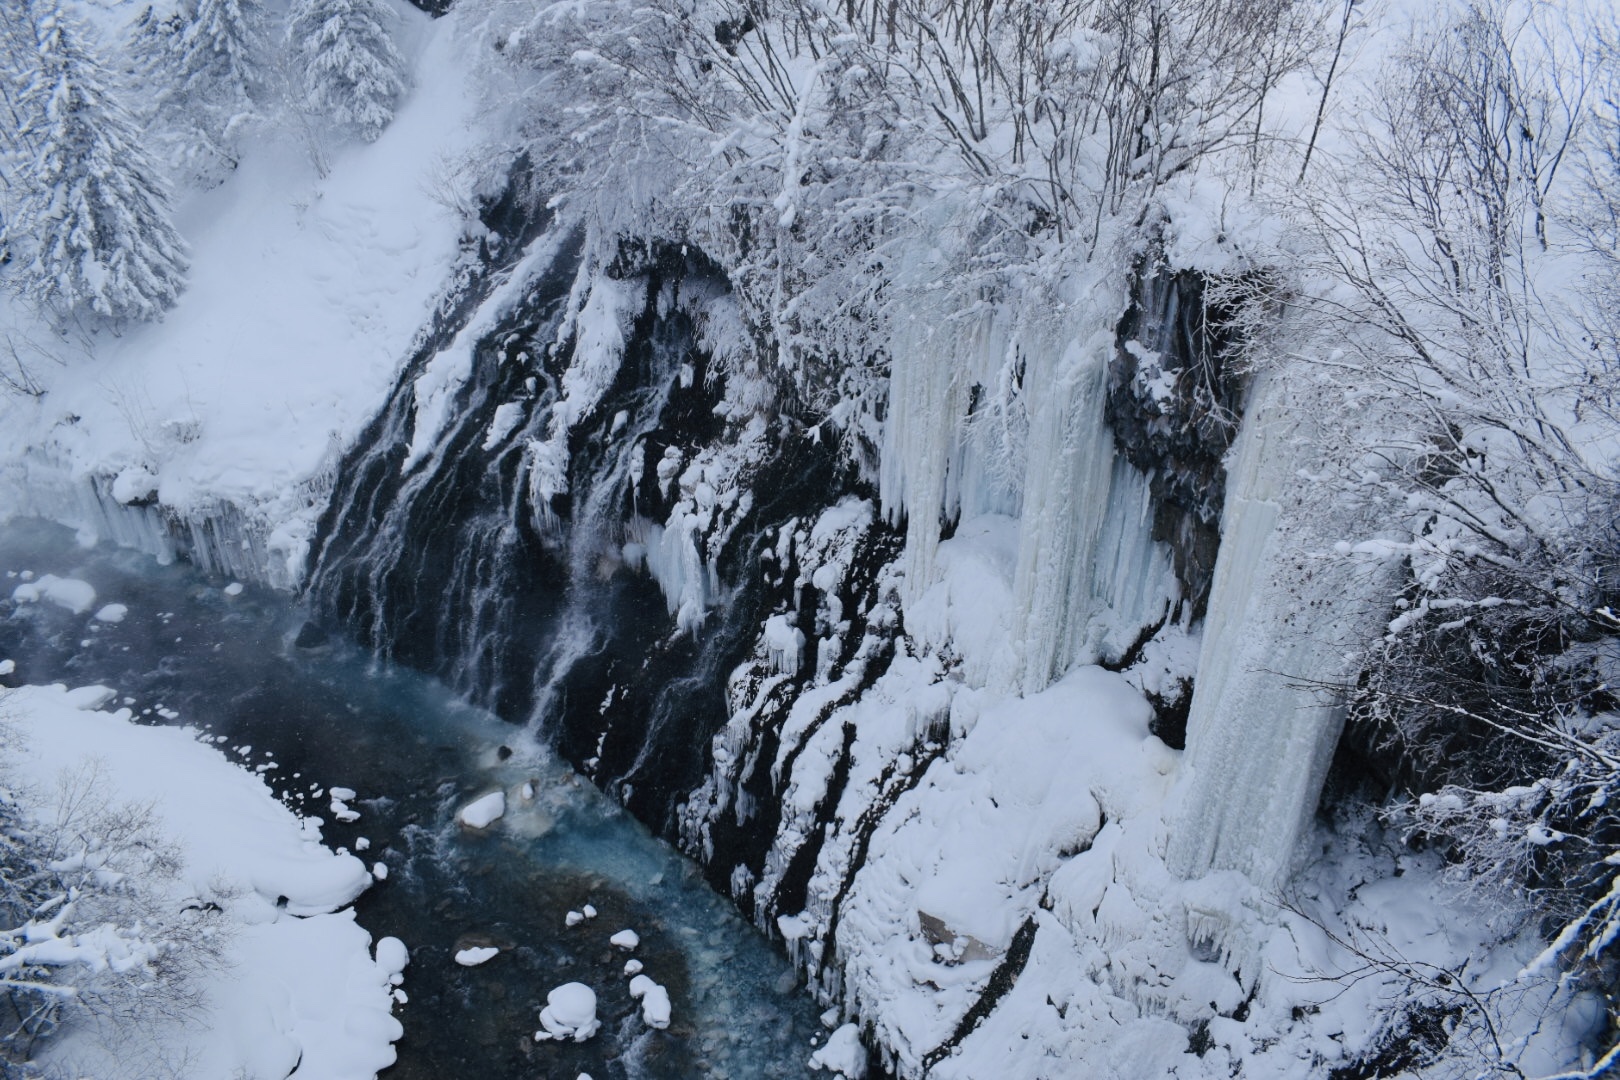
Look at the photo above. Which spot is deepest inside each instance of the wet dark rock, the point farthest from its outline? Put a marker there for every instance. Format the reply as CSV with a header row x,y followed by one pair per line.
x,y
1174,402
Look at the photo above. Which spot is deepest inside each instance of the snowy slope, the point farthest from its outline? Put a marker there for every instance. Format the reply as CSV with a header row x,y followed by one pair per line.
x,y
305,294
296,991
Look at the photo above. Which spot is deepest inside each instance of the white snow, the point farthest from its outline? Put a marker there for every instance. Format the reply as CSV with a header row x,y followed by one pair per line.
x,y
625,939
75,595
483,811
476,955
112,613
655,1008
842,1054
233,589
294,991
570,1013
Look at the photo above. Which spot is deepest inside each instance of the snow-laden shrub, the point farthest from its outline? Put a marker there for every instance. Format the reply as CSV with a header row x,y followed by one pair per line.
x,y
858,165
1441,295
92,934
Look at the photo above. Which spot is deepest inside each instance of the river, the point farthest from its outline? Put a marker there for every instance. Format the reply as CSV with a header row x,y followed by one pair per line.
x,y
311,716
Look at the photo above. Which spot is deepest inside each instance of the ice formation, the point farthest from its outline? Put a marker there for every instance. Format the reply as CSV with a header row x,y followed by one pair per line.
x,y
1264,722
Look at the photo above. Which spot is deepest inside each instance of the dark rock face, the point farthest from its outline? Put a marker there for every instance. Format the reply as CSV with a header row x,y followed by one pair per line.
x,y
447,562
1174,404
310,636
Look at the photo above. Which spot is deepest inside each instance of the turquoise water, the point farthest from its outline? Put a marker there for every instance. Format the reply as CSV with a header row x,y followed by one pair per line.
x,y
329,716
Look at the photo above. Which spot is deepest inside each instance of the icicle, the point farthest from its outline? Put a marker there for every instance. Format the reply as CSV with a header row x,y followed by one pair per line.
x,y
1067,478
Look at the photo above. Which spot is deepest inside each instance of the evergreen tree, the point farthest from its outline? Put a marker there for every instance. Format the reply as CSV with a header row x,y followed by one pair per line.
x,y
16,63
92,230
208,62
351,72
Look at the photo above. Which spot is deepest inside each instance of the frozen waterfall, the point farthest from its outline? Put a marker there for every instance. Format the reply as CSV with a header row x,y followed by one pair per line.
x,y
1285,618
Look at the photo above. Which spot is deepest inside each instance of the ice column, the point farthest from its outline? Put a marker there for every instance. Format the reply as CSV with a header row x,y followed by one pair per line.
x,y
1089,574
1283,615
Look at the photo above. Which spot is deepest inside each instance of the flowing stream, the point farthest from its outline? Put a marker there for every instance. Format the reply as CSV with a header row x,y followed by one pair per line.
x,y
312,715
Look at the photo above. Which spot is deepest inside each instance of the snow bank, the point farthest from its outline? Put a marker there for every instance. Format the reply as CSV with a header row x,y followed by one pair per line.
x,y
304,296
298,994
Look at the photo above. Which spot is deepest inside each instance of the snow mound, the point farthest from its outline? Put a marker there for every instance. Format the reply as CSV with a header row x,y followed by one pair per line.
x,y
476,955
843,1054
484,811
654,1001
625,939
112,613
570,1013
75,595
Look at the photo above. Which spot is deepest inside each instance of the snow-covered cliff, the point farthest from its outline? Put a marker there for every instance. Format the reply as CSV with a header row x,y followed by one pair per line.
x,y
901,502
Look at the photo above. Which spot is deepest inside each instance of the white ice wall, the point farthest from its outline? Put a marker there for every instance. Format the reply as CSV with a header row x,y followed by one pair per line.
x,y
1285,615
1088,574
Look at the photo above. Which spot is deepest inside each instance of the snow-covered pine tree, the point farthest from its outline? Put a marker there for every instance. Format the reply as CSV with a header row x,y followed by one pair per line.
x,y
351,73
92,229
210,72
16,62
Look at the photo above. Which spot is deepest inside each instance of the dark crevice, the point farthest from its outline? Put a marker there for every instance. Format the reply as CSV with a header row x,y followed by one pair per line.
x,y
866,827
1174,401
1001,982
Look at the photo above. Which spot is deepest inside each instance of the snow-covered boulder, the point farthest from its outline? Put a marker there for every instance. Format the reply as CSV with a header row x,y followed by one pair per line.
x,y
654,1001
842,1054
570,1013
483,811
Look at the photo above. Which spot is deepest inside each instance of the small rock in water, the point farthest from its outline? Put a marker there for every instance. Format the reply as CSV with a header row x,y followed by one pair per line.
x,y
588,911
380,871
310,636
476,955
573,918
483,811
361,843
503,752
